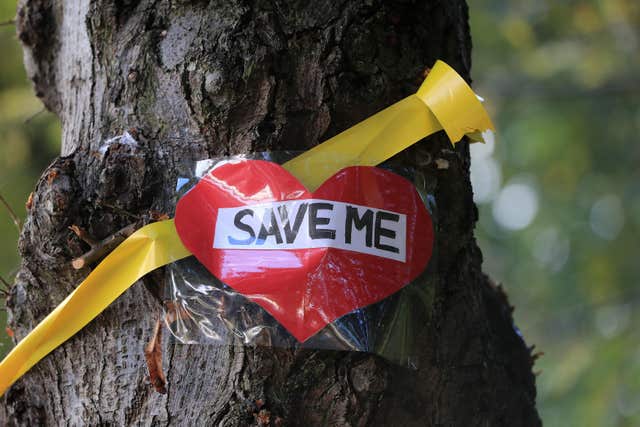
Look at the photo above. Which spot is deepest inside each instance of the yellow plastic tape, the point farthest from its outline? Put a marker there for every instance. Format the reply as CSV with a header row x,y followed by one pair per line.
x,y
451,104
444,101
145,250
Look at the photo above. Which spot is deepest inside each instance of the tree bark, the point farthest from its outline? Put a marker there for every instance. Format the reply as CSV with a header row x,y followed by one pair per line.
x,y
196,79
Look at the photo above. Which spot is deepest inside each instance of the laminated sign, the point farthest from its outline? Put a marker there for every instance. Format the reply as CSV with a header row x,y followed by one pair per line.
x,y
306,257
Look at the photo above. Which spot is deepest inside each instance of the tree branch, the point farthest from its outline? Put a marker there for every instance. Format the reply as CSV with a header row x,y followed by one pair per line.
x,y
4,292
34,115
12,214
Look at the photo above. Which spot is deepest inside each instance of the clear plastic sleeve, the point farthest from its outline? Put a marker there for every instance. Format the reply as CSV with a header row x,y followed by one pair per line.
x,y
201,309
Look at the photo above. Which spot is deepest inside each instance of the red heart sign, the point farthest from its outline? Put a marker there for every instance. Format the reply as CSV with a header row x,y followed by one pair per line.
x,y
307,258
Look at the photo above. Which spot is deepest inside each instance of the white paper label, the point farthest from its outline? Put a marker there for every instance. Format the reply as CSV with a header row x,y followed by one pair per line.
x,y
312,223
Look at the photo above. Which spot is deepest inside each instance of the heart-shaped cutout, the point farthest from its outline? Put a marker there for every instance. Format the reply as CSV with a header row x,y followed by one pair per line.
x,y
307,258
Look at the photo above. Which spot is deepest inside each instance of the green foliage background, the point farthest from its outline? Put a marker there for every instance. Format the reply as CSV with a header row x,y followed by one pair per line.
x,y
562,79
558,191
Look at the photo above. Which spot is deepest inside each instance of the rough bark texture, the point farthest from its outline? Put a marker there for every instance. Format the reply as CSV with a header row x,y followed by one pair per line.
x,y
197,79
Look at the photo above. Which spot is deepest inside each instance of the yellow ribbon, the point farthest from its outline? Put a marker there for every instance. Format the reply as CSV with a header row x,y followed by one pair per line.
x,y
451,105
444,101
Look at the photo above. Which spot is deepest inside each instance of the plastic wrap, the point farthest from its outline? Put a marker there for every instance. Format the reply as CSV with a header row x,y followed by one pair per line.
x,y
201,309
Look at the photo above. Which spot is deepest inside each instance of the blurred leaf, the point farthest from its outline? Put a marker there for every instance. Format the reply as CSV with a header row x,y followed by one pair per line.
x,y
563,81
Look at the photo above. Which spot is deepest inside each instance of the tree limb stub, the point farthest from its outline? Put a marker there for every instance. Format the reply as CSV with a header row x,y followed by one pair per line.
x,y
100,249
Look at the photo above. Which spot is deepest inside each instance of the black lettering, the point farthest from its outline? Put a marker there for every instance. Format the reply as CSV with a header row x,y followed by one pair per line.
x,y
380,231
354,220
237,221
315,221
289,233
273,229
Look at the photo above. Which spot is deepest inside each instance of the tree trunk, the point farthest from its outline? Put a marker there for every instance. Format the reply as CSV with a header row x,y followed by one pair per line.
x,y
196,79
